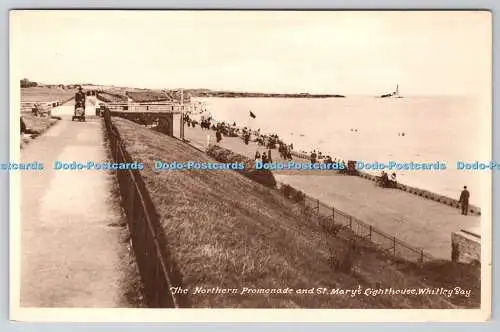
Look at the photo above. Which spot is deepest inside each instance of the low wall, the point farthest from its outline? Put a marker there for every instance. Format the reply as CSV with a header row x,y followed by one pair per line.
x,y
300,155
466,247
426,194
474,210
45,107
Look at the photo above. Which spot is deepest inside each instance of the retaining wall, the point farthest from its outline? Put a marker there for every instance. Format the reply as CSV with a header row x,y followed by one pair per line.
x,y
466,247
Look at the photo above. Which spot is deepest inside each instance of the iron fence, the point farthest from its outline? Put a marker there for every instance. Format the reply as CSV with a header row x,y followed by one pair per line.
x,y
331,218
156,268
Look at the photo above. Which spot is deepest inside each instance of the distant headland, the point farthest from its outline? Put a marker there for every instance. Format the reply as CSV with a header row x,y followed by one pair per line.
x,y
122,94
234,94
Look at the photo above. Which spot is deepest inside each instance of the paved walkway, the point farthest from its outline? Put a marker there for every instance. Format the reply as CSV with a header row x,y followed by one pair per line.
x,y
71,250
418,221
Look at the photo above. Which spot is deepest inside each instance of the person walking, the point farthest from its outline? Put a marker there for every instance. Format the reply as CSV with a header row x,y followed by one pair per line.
x,y
80,98
464,200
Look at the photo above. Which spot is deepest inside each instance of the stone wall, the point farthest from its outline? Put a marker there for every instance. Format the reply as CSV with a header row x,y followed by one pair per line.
x,y
466,247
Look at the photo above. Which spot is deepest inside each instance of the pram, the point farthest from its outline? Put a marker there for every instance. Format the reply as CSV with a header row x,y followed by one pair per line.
x,y
79,112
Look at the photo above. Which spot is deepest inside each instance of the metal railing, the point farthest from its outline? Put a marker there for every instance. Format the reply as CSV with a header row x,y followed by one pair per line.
x,y
329,217
156,268
146,107
45,106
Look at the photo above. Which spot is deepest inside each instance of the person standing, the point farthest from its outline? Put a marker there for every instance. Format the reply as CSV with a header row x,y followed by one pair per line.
x,y
24,129
264,158
464,200
313,157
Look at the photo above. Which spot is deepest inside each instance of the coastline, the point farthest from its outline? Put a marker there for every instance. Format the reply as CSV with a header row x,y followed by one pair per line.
x,y
416,219
401,185
345,128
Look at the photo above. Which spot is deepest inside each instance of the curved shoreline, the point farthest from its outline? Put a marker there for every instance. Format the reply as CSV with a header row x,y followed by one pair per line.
x,y
424,193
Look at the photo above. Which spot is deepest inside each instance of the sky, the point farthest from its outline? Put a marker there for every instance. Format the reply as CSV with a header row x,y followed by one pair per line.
x,y
317,52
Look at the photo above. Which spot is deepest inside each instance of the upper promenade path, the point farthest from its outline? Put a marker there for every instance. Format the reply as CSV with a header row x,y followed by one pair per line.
x,y
418,221
71,255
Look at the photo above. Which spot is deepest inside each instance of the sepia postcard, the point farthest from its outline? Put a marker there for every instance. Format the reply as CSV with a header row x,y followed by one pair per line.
x,y
172,166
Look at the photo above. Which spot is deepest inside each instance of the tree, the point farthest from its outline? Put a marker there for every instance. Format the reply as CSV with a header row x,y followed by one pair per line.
x,y
26,83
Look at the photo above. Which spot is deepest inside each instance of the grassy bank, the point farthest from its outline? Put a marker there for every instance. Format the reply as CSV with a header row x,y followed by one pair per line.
x,y
147,95
37,125
112,97
43,94
224,230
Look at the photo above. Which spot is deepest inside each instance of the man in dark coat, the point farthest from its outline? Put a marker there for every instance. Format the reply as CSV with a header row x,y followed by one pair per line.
x,y
80,98
464,200
24,129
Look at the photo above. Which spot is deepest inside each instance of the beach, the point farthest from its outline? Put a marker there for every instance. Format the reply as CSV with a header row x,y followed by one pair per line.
x,y
416,220
365,128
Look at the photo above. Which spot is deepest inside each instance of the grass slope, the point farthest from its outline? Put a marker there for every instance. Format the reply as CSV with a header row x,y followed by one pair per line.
x,y
227,231
36,123
44,94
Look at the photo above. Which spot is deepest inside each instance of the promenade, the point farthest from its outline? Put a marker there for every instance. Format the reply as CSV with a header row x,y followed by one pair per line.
x,y
71,255
418,221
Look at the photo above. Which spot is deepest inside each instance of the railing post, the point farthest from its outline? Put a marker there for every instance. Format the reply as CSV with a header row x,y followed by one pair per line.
x,y
317,206
333,215
422,256
370,232
394,246
350,222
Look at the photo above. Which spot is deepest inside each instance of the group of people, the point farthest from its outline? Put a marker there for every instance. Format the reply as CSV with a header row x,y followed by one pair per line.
x,y
265,157
285,151
319,157
387,182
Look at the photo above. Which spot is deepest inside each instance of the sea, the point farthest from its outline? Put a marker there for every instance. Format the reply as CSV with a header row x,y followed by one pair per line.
x,y
428,129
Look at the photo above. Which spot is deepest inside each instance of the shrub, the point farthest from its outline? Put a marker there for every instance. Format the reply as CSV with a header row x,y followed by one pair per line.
x,y
261,176
299,196
329,226
343,260
286,190
291,193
